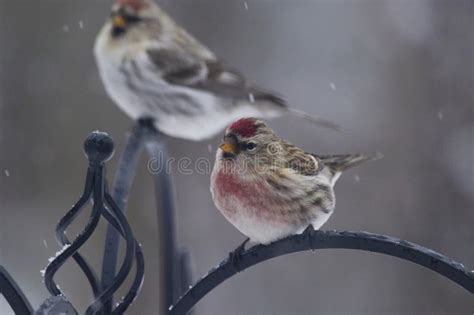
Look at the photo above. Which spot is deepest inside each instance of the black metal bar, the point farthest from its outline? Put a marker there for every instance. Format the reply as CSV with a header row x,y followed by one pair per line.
x,y
143,133
127,262
167,248
140,267
185,271
13,294
64,241
69,250
99,148
122,184
312,240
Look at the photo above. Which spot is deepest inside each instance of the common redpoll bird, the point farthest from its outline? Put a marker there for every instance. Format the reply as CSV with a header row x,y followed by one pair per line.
x,y
152,68
268,188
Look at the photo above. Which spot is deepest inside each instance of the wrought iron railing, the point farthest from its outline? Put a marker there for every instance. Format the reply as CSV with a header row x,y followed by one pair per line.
x,y
99,148
314,240
13,294
174,266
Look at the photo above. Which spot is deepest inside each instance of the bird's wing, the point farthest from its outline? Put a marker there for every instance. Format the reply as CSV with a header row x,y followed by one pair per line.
x,y
297,178
184,69
302,162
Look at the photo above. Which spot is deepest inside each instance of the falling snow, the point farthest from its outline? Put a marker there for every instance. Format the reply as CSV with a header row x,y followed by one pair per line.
x,y
251,98
59,252
170,308
7,173
246,5
332,86
440,115
209,148
65,28
45,243
357,178
81,24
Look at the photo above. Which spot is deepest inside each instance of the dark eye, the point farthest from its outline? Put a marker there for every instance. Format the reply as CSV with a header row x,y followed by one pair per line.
x,y
132,19
126,16
250,146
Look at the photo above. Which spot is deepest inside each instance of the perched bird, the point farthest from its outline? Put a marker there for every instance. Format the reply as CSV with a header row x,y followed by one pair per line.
x,y
152,68
268,188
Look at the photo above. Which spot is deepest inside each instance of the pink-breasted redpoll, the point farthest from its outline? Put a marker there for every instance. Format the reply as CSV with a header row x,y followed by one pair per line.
x,y
152,68
268,188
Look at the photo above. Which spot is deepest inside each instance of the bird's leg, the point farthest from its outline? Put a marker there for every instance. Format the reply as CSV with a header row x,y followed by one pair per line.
x,y
241,247
309,233
236,255
308,230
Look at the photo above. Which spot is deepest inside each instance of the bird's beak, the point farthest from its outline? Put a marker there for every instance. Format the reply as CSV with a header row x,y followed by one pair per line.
x,y
228,148
118,21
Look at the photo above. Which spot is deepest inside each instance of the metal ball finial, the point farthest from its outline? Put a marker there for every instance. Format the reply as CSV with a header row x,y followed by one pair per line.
x,y
99,147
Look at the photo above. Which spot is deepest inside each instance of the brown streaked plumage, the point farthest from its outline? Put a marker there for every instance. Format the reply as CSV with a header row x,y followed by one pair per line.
x,y
153,68
269,188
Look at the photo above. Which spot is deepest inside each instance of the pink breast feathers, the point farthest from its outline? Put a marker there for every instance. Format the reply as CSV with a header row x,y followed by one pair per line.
x,y
234,195
229,185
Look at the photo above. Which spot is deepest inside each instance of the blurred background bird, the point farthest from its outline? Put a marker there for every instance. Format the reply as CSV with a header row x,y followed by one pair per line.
x,y
268,188
152,68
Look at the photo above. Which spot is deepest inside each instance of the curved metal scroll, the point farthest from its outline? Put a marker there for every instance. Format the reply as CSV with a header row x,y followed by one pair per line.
x,y
312,240
13,295
99,149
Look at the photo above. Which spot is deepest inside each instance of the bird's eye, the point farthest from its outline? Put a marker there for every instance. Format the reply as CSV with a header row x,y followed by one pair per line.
x,y
250,146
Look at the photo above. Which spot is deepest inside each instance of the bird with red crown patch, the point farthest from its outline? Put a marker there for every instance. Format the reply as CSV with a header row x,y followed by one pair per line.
x,y
136,5
269,188
153,68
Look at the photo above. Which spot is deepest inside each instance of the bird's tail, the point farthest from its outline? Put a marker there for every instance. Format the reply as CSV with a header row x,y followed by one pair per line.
x,y
313,118
339,163
280,102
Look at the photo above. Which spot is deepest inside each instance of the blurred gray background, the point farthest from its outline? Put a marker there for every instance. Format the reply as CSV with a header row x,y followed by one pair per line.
x,y
396,74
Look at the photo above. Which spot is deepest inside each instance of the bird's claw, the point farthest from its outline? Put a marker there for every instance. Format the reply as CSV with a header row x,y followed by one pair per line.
x,y
236,256
310,229
309,235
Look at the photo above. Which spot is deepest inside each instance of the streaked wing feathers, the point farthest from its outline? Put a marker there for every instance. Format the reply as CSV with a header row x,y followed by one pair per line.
x,y
302,162
211,76
177,68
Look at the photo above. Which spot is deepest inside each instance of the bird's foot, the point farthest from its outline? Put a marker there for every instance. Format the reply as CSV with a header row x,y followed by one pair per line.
x,y
148,122
308,233
236,256
147,126
309,229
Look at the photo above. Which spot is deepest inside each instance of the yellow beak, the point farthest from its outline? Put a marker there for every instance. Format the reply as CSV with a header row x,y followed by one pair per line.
x,y
228,147
119,21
